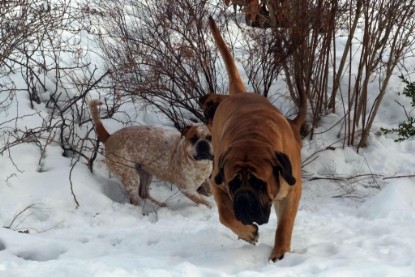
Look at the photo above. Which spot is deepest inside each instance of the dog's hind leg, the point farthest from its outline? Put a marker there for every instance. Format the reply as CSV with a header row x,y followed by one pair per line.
x,y
126,174
144,189
131,182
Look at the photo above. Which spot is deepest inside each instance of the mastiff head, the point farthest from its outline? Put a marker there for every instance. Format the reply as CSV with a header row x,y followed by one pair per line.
x,y
252,179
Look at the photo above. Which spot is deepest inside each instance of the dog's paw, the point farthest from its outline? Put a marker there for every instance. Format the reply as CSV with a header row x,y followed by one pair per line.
x,y
250,235
207,204
135,200
277,254
201,201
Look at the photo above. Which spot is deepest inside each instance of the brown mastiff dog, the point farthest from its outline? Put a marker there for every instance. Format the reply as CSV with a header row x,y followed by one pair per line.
x,y
257,159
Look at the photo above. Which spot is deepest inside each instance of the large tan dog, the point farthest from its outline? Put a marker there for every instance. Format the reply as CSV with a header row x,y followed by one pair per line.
x,y
136,154
257,159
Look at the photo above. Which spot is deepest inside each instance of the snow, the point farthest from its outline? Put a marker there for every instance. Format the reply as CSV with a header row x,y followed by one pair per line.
x,y
357,227
366,233
396,200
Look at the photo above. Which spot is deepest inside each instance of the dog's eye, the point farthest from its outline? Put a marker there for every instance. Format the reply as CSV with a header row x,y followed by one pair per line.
x,y
235,183
209,138
194,139
256,183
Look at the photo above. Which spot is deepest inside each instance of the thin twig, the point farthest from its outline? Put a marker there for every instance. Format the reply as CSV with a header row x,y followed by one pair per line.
x,y
339,178
398,177
70,180
19,214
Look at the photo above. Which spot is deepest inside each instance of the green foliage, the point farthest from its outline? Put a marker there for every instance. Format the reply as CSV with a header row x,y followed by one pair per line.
x,y
409,90
406,129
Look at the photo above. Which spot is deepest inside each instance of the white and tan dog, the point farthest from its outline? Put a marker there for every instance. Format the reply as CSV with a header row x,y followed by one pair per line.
x,y
136,154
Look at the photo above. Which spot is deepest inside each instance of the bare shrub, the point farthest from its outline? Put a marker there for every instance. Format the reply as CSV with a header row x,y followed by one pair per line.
x,y
41,42
20,217
307,36
159,52
162,52
256,54
387,37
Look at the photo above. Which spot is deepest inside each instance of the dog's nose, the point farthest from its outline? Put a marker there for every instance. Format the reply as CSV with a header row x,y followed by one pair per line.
x,y
248,209
203,147
203,151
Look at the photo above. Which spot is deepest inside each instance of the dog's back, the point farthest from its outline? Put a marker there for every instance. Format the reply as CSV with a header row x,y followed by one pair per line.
x,y
260,120
147,146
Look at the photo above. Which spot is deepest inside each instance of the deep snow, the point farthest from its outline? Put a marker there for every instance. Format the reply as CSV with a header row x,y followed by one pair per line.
x,y
367,232
358,227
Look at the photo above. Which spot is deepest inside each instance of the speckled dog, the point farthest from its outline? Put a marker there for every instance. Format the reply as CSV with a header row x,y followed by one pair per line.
x,y
136,154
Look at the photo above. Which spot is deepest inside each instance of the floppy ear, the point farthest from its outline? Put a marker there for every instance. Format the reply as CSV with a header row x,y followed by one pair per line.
x,y
185,129
203,99
284,168
219,177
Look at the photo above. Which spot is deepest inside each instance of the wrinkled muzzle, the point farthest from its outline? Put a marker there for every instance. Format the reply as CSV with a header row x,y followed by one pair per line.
x,y
248,208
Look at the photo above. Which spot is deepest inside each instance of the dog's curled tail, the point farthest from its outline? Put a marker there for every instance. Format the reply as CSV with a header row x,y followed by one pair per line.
x,y
102,133
235,81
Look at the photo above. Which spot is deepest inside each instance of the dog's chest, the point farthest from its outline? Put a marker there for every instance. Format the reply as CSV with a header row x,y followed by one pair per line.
x,y
195,173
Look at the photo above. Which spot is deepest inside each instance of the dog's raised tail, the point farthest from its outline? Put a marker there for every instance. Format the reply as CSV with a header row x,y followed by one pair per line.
x,y
102,133
299,120
235,81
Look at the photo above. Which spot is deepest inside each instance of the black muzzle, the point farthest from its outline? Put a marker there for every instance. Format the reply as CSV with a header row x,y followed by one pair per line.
x,y
248,208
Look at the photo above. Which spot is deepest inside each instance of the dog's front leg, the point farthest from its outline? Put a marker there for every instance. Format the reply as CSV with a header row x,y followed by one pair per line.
x,y
196,197
227,217
204,188
286,210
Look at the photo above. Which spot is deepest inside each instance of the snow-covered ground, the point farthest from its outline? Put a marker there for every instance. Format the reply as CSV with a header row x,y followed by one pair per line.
x,y
367,232
361,226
